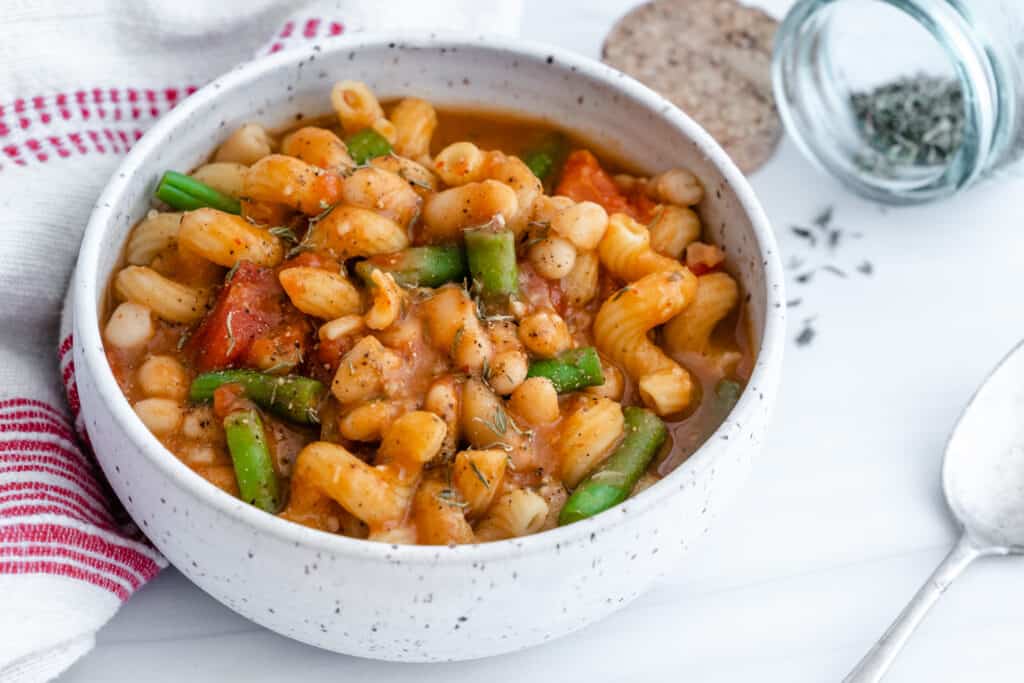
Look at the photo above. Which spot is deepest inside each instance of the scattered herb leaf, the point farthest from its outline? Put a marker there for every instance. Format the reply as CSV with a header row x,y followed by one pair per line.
x,y
824,219
804,233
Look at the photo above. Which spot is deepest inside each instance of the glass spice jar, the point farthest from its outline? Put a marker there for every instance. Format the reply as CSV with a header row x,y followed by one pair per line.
x,y
905,101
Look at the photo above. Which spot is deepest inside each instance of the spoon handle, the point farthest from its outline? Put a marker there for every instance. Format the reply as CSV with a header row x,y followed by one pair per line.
x,y
879,658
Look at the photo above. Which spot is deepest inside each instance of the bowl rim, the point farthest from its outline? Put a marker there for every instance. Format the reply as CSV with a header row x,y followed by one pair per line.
x,y
89,344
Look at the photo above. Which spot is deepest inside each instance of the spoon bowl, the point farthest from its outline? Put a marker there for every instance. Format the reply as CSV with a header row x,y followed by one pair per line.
x,y
983,471
983,481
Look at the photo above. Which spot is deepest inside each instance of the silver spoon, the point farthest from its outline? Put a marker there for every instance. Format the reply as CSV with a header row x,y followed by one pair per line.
x,y
983,480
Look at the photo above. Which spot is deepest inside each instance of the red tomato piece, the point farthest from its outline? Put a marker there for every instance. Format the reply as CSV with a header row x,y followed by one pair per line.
x,y
583,180
251,303
643,207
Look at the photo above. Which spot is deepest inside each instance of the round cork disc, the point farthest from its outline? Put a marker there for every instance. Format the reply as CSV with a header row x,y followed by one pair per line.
x,y
712,58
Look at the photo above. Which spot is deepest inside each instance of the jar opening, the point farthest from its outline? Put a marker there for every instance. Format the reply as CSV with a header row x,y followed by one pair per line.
x,y
895,99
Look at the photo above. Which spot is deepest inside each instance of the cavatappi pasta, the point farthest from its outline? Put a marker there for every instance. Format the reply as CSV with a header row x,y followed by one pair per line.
x,y
420,326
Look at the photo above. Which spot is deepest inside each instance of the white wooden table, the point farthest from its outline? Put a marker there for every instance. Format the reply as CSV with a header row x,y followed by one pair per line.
x,y
842,519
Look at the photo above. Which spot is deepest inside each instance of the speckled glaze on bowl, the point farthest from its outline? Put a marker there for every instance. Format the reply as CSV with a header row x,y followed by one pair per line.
x,y
412,603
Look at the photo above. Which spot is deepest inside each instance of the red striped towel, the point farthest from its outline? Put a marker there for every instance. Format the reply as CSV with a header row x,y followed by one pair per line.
x,y
82,82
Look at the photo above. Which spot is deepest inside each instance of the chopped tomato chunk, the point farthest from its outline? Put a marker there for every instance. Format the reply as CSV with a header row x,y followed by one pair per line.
x,y
643,207
583,180
250,304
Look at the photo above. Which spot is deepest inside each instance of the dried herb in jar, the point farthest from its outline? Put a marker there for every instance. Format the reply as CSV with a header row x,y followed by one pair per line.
x,y
917,120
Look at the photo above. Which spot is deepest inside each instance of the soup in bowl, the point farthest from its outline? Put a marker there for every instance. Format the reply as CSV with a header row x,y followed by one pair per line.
x,y
540,341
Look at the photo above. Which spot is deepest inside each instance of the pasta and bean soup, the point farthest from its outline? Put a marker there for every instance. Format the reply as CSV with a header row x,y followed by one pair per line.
x,y
429,327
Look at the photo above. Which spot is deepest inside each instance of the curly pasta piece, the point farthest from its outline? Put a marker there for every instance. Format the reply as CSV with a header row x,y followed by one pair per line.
x,y
421,179
319,147
514,173
438,516
478,475
717,294
447,213
444,399
367,421
383,192
320,293
246,145
388,300
379,495
622,324
677,186
625,250
415,121
517,513
224,176
587,436
459,163
363,371
453,327
168,299
226,239
350,231
487,426
673,228
356,106
157,232
285,180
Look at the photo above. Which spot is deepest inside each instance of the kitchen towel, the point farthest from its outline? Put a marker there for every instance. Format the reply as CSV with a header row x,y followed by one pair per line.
x,y
81,83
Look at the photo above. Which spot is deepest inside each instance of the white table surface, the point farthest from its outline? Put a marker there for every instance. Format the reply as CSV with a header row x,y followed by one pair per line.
x,y
842,519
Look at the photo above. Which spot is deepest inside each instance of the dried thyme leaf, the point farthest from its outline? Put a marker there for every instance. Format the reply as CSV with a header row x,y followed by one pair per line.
x,y
479,474
824,219
285,233
804,233
916,120
449,496
500,420
231,273
231,333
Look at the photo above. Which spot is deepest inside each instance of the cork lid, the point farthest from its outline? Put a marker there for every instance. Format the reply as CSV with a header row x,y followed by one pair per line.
x,y
712,58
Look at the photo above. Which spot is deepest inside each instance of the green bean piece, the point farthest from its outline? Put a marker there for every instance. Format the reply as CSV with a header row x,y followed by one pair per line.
x,y
254,469
492,262
540,163
367,144
185,193
418,266
547,158
570,371
613,479
293,398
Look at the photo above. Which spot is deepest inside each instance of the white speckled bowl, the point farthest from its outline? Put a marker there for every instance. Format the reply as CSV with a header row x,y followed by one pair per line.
x,y
414,603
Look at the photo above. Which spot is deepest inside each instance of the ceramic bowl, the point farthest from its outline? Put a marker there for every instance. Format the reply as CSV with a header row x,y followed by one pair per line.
x,y
412,603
